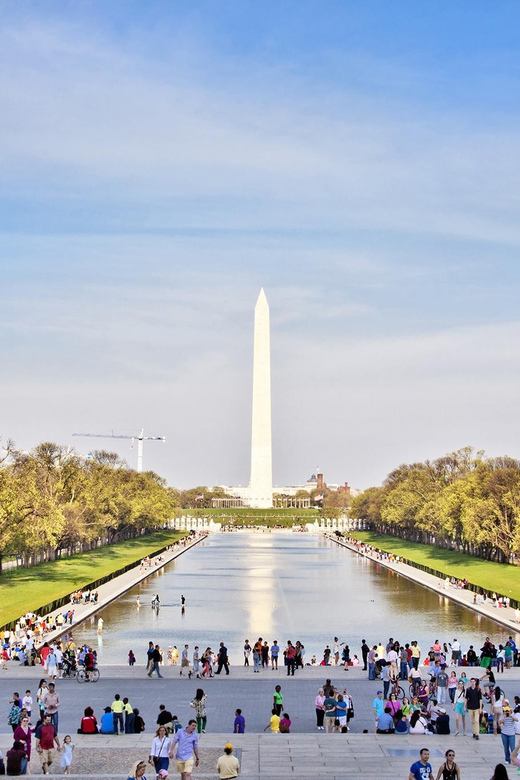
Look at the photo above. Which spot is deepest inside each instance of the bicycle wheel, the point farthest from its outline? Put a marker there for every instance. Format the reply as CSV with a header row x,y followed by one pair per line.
x,y
95,675
399,692
412,691
81,676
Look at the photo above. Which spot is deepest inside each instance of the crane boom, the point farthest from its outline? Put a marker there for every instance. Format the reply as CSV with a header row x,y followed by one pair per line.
x,y
140,438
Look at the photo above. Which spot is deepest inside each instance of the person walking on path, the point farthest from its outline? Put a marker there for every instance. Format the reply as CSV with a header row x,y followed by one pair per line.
x,y
239,725
278,700
222,659
474,707
274,723
364,653
185,749
247,652
51,702
160,750
199,705
507,724
228,765
449,770
156,660
46,738
22,733
275,652
66,756
422,769
319,703
459,702
185,661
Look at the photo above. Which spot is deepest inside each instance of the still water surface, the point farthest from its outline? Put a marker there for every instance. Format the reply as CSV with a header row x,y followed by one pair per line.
x,y
278,585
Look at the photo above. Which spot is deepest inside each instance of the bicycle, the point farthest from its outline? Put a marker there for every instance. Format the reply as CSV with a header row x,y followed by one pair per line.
x,y
396,688
84,676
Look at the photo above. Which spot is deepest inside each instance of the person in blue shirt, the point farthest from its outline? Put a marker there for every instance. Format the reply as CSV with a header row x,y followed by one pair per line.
x,y
422,769
275,651
107,722
385,722
239,725
379,707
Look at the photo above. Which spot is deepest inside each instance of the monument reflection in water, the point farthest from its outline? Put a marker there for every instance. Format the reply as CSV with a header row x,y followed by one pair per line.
x,y
278,585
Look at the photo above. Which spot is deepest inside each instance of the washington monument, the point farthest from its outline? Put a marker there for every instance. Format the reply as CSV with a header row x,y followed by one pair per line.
x,y
261,485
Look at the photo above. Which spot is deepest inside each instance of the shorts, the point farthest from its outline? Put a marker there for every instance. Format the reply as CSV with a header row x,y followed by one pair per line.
x,y
185,766
342,720
47,756
459,708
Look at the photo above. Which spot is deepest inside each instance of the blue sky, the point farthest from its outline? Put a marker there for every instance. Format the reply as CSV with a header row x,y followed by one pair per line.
x,y
161,161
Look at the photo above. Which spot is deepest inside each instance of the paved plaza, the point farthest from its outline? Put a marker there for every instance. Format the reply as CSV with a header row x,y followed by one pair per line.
x,y
304,753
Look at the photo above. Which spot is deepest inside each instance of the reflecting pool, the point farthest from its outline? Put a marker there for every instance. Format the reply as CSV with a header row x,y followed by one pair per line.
x,y
278,585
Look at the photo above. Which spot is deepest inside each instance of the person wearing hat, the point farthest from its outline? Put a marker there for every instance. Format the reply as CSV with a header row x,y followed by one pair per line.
x,y
228,765
442,725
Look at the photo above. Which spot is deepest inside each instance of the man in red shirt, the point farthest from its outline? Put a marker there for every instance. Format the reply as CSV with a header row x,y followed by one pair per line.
x,y
46,737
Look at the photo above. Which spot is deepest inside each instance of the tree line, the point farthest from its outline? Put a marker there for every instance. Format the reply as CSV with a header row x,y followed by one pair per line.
x,y
463,501
53,499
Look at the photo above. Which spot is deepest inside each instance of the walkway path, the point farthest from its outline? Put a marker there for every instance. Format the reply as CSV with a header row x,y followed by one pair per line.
x,y
115,587
505,617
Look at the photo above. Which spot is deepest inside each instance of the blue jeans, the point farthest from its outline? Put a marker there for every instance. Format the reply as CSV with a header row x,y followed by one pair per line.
x,y
508,741
161,763
371,668
118,720
155,668
403,673
54,720
129,723
386,687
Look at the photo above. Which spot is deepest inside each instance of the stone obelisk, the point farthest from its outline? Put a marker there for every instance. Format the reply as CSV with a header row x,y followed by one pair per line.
x,y
261,485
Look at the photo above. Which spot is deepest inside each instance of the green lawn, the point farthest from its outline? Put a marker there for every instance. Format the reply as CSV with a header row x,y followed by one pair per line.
x,y
498,577
24,590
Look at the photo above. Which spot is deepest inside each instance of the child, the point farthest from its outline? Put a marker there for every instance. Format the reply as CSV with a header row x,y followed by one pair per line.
x,y
66,756
175,724
239,725
274,723
131,658
27,702
285,724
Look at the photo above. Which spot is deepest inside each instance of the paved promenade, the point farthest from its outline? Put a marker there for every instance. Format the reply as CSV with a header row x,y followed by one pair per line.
x,y
505,617
304,753
114,588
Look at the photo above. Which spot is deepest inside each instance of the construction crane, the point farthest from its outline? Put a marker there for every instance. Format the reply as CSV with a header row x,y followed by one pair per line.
x,y
140,439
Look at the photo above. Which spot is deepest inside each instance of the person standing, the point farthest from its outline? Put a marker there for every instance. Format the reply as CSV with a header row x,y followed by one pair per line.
x,y
199,705
239,725
185,749
275,652
319,703
185,661
329,706
156,660
160,750
247,652
378,707
46,738
507,724
449,770
278,700
22,733
289,659
442,686
222,659
51,703
422,769
228,765
129,716
117,711
474,707
364,652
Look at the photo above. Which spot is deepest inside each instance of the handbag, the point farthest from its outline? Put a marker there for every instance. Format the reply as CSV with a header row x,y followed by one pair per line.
x,y
350,713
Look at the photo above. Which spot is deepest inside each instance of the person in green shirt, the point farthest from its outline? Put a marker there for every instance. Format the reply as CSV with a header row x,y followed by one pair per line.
x,y
278,700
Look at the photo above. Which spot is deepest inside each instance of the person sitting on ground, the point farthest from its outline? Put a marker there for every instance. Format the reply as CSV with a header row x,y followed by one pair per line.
x,y
88,722
443,721
385,722
402,724
138,722
107,721
16,759
418,723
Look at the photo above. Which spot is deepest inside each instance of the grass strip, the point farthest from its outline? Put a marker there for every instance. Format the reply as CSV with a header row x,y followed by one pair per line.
x,y
24,590
501,578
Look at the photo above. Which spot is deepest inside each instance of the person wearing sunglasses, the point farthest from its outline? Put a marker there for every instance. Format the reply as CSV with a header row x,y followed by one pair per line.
x,y
449,770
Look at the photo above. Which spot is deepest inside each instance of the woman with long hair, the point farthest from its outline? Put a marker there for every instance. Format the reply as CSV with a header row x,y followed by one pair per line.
x,y
137,771
449,770
418,723
160,750
199,705
460,709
